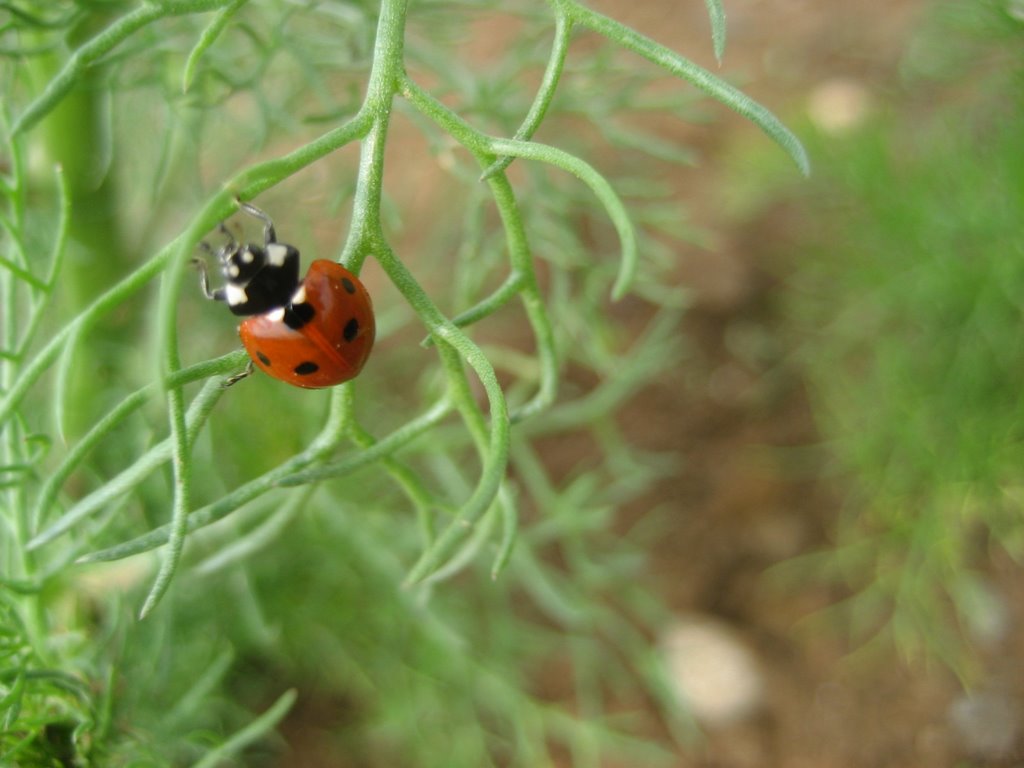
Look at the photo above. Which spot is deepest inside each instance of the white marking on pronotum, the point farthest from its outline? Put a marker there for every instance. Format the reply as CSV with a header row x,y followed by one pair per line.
x,y
233,270
299,297
276,315
235,294
247,256
276,254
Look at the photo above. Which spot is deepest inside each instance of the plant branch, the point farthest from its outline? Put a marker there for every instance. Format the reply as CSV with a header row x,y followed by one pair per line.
x,y
699,77
545,93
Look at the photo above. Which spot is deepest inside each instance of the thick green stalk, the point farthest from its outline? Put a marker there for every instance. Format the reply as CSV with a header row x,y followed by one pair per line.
x,y
366,232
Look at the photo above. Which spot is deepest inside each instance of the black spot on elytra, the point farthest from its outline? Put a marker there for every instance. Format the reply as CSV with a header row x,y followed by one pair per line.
x,y
351,329
306,368
263,358
348,285
297,315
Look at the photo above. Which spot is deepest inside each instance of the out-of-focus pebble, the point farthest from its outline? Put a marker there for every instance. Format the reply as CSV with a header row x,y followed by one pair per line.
x,y
986,614
838,105
987,724
714,673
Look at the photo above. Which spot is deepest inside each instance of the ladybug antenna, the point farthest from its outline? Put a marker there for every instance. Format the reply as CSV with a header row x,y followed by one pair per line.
x,y
229,248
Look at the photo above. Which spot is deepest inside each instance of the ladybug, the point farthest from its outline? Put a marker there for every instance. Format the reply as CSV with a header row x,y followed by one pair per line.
x,y
312,333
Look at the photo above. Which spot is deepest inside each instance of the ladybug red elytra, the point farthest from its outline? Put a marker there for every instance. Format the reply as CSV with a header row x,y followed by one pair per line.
x,y
313,333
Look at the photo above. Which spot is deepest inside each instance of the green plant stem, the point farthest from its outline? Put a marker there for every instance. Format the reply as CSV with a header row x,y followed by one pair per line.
x,y
22,273
181,467
604,192
495,456
509,531
366,232
536,312
545,93
180,442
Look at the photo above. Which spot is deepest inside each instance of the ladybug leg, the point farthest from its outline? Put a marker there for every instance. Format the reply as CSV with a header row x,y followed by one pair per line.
x,y
269,235
204,279
244,374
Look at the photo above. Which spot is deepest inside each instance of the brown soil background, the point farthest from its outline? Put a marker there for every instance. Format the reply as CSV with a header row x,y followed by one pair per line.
x,y
751,493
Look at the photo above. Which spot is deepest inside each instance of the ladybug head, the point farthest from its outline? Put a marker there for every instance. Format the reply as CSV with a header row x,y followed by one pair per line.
x,y
259,278
241,262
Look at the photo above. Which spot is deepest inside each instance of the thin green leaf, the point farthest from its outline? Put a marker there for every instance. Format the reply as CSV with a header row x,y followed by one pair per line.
x,y
206,39
490,304
181,464
180,440
31,20
716,12
256,730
